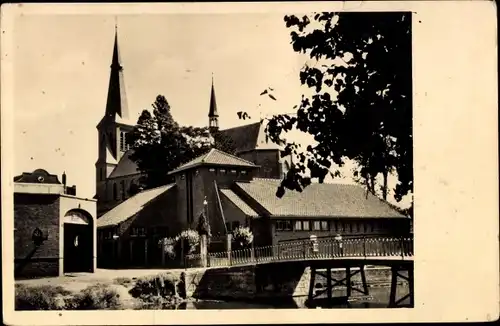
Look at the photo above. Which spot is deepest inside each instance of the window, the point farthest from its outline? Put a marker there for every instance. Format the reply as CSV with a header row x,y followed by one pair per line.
x,y
283,225
124,145
211,170
222,171
233,171
298,225
243,172
138,232
123,189
306,226
324,226
108,234
317,226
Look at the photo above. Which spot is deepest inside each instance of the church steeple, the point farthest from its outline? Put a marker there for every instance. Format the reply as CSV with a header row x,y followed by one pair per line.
x,y
213,116
117,99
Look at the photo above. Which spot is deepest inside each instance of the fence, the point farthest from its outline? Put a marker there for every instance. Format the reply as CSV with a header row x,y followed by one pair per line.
x,y
323,248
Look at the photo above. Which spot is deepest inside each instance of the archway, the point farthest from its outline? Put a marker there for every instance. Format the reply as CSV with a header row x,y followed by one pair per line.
x,y
78,241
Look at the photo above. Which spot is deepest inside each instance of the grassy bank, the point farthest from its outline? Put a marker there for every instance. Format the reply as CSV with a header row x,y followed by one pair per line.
x,y
162,291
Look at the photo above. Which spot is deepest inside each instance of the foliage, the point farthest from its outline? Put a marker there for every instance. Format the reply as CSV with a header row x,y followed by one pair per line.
x,y
157,285
48,297
203,226
191,240
98,296
42,297
160,144
243,237
169,246
361,107
173,246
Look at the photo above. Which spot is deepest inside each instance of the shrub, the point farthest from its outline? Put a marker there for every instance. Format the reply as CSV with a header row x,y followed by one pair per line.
x,y
190,238
98,296
159,285
42,297
169,246
173,246
243,237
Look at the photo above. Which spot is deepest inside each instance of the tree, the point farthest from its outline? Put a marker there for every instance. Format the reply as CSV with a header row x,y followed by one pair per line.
x,y
361,107
160,144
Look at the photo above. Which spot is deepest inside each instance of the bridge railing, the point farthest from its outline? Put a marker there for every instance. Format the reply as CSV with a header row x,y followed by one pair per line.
x,y
324,248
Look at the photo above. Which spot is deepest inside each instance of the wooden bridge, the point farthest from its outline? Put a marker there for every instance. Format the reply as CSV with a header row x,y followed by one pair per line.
x,y
323,255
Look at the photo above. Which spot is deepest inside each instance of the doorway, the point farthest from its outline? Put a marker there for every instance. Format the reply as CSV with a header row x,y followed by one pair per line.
x,y
78,244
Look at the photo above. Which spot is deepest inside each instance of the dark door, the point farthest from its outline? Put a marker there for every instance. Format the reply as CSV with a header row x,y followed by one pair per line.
x,y
77,248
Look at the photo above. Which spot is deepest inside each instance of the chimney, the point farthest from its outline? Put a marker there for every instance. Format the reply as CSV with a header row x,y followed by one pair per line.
x,y
64,178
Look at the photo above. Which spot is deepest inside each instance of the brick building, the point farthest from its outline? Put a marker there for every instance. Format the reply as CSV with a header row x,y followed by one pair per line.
x,y
239,190
54,229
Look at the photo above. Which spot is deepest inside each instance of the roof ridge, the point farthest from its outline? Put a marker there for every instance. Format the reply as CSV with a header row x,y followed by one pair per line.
x,y
212,150
192,160
133,196
246,125
234,156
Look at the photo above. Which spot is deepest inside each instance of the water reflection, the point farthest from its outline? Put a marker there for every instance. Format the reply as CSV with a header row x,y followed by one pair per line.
x,y
377,298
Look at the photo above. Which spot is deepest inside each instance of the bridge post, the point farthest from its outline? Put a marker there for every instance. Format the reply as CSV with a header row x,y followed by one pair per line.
x,y
228,247
348,281
363,280
394,286
329,283
410,286
312,282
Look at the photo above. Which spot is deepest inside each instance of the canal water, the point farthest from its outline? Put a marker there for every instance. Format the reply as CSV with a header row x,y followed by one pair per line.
x,y
378,298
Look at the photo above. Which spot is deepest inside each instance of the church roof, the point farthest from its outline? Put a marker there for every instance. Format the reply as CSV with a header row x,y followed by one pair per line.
x,y
117,105
317,200
249,137
125,166
215,157
213,103
131,206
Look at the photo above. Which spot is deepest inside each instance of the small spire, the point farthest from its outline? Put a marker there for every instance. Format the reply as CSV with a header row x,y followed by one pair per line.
x,y
213,104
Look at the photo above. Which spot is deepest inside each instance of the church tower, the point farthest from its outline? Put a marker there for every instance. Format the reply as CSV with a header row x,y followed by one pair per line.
x,y
213,116
114,125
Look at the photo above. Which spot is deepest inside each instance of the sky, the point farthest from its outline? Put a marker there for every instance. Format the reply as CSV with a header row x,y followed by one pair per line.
x,y
61,68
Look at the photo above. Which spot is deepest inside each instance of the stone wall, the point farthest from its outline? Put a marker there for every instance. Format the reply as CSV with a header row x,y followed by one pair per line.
x,y
248,282
279,281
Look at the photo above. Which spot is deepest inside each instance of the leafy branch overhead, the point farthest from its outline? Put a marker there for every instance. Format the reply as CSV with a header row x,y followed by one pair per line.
x,y
361,102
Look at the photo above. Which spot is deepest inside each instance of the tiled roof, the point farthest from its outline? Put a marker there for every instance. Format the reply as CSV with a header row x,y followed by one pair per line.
x,y
249,137
131,206
238,202
318,200
215,157
125,166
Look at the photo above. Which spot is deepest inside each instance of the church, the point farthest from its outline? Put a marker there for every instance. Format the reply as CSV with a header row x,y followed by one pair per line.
x,y
231,190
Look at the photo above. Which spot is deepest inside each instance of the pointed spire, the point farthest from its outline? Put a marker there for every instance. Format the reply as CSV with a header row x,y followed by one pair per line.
x,y
117,100
212,113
